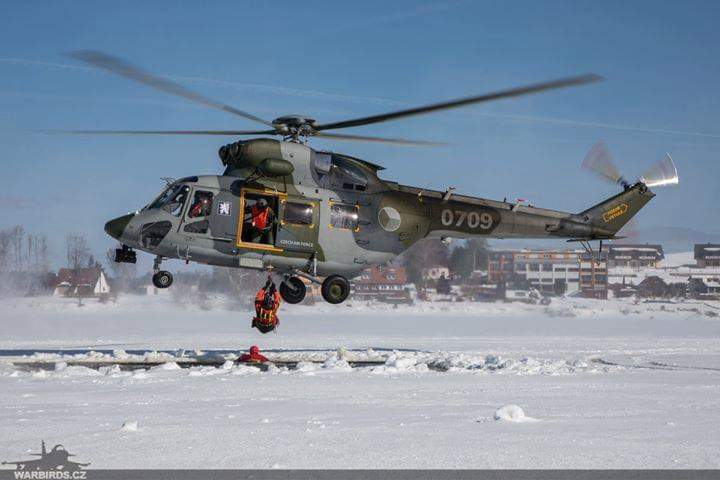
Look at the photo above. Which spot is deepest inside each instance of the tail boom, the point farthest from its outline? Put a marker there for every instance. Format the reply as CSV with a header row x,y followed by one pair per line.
x,y
467,217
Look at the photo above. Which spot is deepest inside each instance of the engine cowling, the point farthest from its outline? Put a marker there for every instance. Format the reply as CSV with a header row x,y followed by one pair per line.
x,y
263,154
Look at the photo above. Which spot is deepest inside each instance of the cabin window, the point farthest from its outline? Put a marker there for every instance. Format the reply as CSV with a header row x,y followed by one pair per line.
x,y
298,213
201,205
201,226
347,175
344,216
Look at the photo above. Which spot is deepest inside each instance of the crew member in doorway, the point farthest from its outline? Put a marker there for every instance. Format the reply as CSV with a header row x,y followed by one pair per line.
x,y
267,303
254,356
261,222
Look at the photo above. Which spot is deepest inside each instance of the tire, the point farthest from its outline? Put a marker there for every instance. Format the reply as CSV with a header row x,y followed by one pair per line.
x,y
293,290
335,289
162,279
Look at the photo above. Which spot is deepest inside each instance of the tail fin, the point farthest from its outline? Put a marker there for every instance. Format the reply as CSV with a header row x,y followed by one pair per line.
x,y
44,451
609,216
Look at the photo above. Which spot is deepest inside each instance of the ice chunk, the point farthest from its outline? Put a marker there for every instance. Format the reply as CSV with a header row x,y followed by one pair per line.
x,y
334,363
400,362
129,426
167,366
512,413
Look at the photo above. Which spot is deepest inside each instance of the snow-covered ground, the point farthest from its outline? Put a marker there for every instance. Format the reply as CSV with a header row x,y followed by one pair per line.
x,y
585,384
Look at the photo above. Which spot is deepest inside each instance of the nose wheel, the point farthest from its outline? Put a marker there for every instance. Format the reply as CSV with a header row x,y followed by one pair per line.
x,y
162,279
293,290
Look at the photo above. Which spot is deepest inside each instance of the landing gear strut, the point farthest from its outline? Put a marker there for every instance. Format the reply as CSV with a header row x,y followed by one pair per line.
x,y
293,290
161,278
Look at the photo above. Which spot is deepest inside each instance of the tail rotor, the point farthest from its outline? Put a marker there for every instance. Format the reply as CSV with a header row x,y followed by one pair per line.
x,y
661,173
600,161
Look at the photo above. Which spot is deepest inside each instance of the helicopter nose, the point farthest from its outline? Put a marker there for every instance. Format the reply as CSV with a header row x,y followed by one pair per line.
x,y
116,226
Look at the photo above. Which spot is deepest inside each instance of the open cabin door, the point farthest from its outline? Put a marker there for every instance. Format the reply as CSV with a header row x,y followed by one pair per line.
x,y
258,221
291,224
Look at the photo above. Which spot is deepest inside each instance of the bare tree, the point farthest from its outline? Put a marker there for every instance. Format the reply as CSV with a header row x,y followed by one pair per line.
x,y
4,251
77,251
429,252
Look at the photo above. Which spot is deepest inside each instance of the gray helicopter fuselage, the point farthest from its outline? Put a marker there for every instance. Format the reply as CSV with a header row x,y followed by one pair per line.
x,y
350,217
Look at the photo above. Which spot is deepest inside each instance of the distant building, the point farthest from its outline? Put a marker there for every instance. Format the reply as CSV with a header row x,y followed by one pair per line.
x,y
549,271
383,283
552,272
623,290
435,273
653,287
501,266
593,274
635,256
81,282
700,290
707,255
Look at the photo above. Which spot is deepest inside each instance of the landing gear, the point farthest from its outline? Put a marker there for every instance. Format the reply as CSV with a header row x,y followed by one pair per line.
x,y
335,289
162,279
292,290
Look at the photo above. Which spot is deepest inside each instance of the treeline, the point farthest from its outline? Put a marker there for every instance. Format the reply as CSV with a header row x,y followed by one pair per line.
x,y
25,267
24,262
23,252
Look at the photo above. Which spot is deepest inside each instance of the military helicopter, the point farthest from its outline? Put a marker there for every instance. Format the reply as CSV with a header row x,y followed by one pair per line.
x,y
331,215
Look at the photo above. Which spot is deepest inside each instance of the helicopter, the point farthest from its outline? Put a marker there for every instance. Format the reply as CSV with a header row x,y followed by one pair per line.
x,y
326,216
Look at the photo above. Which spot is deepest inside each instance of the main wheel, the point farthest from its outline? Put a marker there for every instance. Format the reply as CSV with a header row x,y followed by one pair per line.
x,y
335,289
162,279
293,290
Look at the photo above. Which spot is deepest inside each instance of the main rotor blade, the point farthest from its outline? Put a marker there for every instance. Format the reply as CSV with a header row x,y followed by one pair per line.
x,y
125,69
394,141
599,160
514,92
165,132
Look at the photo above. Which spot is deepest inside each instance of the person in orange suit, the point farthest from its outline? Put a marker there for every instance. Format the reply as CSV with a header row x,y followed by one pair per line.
x,y
267,303
254,356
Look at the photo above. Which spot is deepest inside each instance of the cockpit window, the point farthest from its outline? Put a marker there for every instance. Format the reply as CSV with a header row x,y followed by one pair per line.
x,y
201,205
171,200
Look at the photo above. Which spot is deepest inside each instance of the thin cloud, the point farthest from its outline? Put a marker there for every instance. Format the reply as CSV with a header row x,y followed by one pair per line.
x,y
15,202
419,11
579,123
253,87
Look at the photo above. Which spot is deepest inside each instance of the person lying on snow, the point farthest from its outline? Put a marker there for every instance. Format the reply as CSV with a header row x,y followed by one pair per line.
x,y
267,303
254,356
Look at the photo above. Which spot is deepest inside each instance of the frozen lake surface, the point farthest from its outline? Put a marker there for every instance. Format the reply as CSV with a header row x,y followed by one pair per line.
x,y
600,384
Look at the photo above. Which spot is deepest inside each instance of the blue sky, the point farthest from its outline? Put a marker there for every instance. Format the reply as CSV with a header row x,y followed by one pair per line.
x,y
335,60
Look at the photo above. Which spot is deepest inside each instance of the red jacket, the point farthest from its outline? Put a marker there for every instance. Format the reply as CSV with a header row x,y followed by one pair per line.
x,y
259,217
253,356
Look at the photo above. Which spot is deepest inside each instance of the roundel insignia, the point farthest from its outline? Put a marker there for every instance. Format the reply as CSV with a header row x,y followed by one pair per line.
x,y
389,219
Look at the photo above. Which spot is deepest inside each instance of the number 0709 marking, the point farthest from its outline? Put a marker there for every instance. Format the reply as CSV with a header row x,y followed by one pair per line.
x,y
474,220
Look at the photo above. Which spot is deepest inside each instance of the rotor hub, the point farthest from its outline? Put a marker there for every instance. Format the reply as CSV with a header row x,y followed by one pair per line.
x,y
295,126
